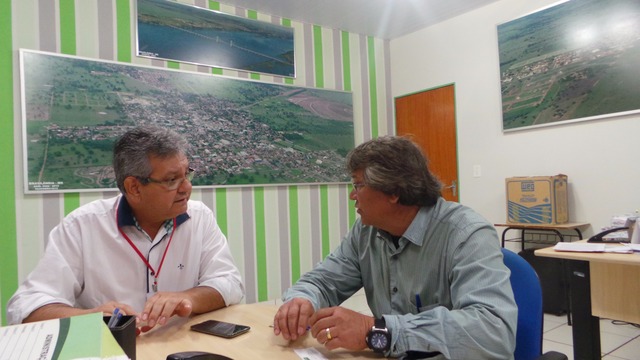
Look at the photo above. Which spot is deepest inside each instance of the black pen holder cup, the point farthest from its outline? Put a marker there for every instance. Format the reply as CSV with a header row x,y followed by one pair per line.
x,y
124,331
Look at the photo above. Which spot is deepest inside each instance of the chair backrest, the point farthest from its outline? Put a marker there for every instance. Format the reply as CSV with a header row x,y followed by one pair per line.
x,y
528,295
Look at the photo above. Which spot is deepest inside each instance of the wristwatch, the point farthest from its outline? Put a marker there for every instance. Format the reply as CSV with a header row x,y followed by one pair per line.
x,y
379,338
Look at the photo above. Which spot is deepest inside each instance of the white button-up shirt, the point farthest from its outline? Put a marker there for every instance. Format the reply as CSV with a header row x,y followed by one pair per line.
x,y
87,262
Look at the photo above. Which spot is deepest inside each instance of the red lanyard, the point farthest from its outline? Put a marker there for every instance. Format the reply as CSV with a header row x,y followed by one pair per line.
x,y
155,274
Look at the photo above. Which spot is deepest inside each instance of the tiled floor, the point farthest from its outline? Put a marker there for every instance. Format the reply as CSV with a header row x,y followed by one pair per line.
x,y
617,341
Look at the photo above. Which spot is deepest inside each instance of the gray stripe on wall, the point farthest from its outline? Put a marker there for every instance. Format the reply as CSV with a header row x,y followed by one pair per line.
x,y
337,59
51,213
307,35
201,3
203,69
207,198
110,194
106,30
47,23
248,221
366,101
391,130
285,238
316,238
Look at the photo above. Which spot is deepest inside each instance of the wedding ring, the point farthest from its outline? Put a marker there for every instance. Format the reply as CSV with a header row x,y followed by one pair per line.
x,y
328,334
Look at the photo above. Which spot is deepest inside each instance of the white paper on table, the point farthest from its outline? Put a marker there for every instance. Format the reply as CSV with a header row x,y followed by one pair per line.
x,y
579,247
309,354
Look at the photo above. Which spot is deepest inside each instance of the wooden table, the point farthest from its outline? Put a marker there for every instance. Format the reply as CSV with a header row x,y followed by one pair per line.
x,y
258,343
603,285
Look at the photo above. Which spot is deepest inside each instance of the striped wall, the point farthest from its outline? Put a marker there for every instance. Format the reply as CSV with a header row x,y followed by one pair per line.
x,y
276,233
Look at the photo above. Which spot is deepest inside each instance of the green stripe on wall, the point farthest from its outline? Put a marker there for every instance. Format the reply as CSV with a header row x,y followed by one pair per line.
x,y
261,244
123,15
216,71
373,86
255,76
287,22
252,14
8,244
221,210
294,234
214,5
68,27
346,61
324,220
173,65
71,202
317,56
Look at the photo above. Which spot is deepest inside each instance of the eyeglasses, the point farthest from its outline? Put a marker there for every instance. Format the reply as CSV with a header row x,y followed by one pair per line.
x,y
357,186
171,184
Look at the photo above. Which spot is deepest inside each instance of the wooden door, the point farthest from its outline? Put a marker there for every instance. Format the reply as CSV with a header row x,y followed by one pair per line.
x,y
429,118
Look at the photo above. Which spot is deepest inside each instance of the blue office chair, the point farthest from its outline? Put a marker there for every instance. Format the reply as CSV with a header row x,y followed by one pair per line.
x,y
528,295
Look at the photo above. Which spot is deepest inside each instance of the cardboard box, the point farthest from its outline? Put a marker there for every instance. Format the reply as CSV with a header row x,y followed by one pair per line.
x,y
537,200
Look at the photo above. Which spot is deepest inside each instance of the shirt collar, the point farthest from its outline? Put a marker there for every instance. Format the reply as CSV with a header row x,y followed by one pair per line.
x,y
421,222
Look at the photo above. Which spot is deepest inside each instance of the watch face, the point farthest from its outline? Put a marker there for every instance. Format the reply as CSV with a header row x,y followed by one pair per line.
x,y
379,340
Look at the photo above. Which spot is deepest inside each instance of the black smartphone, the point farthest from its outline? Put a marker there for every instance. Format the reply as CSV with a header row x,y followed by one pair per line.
x,y
220,328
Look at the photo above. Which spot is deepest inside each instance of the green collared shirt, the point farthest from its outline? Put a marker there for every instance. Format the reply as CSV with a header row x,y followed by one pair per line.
x,y
450,259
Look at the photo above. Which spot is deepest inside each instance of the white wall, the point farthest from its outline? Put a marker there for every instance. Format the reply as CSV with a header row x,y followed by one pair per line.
x,y
601,157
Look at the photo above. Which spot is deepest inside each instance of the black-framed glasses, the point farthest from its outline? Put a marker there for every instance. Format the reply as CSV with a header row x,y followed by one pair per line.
x,y
357,186
171,184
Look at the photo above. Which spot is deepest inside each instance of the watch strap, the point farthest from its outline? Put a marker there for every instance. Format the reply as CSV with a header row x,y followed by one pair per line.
x,y
380,323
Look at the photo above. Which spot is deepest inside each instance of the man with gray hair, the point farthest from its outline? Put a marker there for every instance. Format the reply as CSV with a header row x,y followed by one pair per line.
x,y
150,251
432,270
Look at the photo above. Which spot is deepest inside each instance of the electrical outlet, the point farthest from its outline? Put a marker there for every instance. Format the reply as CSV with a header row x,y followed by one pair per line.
x,y
477,171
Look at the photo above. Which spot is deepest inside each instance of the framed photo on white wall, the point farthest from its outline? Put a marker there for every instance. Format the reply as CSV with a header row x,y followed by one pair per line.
x,y
574,61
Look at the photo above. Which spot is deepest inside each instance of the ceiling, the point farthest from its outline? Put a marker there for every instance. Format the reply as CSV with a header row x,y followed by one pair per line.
x,y
385,19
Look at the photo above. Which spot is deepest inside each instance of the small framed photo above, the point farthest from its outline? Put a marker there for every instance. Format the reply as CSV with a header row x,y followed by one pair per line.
x,y
170,30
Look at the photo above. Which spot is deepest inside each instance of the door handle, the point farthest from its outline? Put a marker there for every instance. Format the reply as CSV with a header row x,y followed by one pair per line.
x,y
453,187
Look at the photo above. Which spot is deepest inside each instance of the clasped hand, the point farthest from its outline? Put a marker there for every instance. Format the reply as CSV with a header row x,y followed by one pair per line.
x,y
334,327
157,310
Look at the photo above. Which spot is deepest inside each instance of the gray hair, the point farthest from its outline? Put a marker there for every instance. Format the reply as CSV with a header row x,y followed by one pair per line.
x,y
132,151
395,165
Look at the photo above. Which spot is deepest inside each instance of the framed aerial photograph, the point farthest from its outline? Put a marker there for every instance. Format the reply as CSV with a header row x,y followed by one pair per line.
x,y
171,30
574,61
242,132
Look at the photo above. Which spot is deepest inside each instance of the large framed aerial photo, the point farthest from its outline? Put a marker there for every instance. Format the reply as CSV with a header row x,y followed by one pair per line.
x,y
170,30
574,61
242,132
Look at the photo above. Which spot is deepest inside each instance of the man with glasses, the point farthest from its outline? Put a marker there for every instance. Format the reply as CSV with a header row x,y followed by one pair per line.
x,y
432,270
149,252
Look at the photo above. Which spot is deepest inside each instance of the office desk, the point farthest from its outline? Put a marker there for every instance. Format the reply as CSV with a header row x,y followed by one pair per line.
x,y
258,343
601,285
551,229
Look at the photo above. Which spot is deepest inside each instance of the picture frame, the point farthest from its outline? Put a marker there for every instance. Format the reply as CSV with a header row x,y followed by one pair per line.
x,y
174,31
242,132
570,62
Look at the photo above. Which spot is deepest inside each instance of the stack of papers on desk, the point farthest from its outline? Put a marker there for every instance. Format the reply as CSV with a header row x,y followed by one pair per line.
x,y
596,247
77,337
